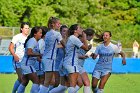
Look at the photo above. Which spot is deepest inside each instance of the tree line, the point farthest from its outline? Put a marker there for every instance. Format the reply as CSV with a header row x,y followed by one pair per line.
x,y
121,17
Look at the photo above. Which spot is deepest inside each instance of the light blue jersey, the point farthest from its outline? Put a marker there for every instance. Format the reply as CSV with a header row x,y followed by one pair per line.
x,y
81,69
81,52
28,60
59,57
72,46
52,38
106,54
38,65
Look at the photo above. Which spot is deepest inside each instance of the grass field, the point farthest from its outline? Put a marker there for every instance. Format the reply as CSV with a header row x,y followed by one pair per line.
x,y
118,83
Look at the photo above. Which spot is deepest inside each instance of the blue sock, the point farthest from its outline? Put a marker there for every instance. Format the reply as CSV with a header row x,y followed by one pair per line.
x,y
21,89
16,85
35,88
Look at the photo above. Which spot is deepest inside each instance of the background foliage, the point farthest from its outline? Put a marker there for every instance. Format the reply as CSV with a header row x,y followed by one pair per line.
x,y
121,17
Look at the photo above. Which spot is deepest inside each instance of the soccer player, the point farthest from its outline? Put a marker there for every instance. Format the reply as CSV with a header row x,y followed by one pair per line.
x,y
103,68
59,61
30,57
71,57
16,48
52,38
83,77
38,65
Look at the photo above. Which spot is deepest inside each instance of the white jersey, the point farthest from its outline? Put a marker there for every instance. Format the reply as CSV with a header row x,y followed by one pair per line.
x,y
106,54
28,60
52,38
18,41
72,46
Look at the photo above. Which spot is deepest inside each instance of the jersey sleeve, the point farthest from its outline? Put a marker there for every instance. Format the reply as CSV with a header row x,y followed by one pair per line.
x,y
31,43
116,49
15,40
97,50
76,41
59,37
41,44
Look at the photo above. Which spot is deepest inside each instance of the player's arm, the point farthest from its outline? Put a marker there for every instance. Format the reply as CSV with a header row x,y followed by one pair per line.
x,y
82,56
32,54
84,40
123,58
11,49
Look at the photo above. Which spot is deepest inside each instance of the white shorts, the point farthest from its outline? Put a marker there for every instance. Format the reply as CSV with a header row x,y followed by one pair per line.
x,y
71,69
62,70
48,64
28,69
98,74
81,69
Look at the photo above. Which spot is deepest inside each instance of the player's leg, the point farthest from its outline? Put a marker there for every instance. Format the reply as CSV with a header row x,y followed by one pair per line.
x,y
103,82
86,82
95,78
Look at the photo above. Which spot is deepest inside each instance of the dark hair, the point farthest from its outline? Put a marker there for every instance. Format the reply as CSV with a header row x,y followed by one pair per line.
x,y
73,28
61,28
108,32
89,31
34,30
22,25
44,31
51,21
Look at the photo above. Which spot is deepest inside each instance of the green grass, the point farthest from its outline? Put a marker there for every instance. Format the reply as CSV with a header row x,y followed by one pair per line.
x,y
117,83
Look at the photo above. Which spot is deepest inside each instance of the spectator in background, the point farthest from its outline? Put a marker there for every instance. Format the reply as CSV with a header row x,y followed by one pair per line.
x,y
135,49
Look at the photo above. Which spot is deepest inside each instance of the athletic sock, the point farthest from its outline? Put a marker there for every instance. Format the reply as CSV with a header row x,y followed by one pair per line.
x,y
35,88
87,89
16,85
43,89
100,91
71,90
21,89
59,89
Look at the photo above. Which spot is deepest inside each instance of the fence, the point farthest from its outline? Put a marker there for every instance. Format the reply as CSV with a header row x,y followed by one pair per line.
x,y
133,65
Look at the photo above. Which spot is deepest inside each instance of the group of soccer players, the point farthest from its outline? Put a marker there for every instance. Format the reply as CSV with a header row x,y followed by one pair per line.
x,y
53,58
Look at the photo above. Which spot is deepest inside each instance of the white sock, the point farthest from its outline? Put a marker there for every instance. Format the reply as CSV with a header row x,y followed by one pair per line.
x,y
16,85
59,89
95,90
35,88
21,89
87,89
77,88
100,91
43,89
71,90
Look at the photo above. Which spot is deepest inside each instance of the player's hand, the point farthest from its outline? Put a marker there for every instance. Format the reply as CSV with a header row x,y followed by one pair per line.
x,y
16,58
89,47
124,61
86,56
